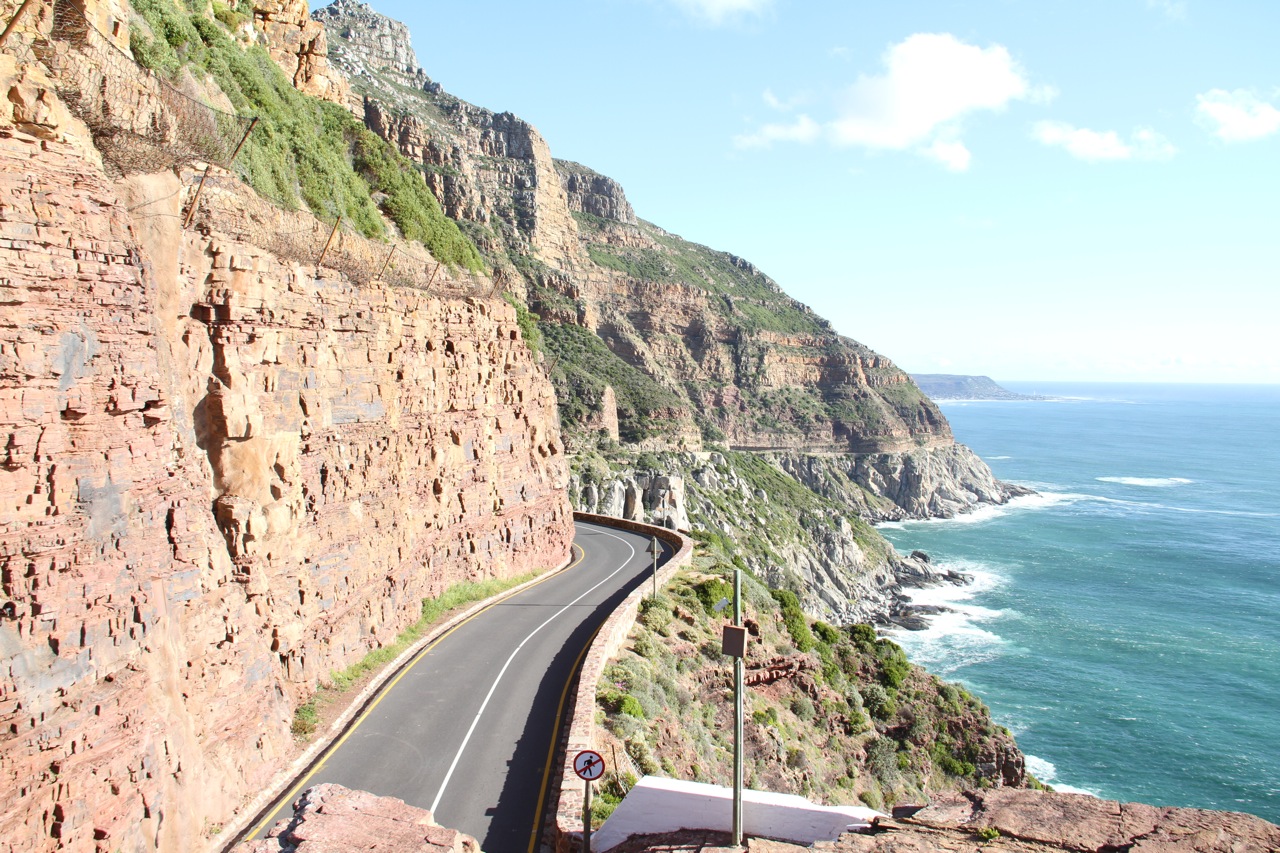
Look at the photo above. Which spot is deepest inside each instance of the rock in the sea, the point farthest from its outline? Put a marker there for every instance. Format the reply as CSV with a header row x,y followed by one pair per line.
x,y
333,819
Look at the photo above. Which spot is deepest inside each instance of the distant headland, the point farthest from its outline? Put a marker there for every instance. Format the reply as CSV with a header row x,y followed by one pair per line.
x,y
947,386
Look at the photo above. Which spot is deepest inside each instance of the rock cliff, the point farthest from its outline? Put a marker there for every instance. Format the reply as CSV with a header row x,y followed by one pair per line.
x,y
692,344
224,474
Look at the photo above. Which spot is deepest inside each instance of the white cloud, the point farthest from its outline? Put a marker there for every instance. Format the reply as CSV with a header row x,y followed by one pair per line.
x,y
930,83
951,153
803,129
719,11
779,104
1098,145
1237,116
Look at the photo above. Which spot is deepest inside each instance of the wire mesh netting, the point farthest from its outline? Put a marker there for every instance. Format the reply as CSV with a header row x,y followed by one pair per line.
x,y
142,123
139,122
228,207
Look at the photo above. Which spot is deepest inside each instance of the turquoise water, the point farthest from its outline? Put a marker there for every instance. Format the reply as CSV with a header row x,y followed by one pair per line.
x,y
1124,623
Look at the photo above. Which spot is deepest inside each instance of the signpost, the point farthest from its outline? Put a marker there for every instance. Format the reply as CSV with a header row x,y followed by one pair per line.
x,y
589,765
655,549
734,644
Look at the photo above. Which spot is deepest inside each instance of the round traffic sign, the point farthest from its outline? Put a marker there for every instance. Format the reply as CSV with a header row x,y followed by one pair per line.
x,y
588,765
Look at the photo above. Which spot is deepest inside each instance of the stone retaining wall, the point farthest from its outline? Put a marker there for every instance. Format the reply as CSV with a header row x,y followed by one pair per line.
x,y
607,642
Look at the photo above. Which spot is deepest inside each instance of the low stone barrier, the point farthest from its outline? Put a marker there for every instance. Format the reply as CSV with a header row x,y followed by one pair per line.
x,y
607,642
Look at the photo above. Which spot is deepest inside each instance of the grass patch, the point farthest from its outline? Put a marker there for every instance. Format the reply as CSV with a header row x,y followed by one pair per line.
x,y
306,717
304,149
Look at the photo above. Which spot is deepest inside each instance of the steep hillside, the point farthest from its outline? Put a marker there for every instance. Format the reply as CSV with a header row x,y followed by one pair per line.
x,y
686,343
836,715
227,471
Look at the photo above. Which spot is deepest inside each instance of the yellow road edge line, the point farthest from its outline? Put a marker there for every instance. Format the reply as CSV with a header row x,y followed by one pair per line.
x,y
386,688
555,738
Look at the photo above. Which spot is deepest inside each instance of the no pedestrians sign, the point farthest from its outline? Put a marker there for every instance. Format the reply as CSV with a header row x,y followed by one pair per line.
x,y
588,765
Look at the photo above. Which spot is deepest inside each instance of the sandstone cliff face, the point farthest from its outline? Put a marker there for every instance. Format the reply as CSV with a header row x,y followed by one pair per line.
x,y
222,476
490,169
299,46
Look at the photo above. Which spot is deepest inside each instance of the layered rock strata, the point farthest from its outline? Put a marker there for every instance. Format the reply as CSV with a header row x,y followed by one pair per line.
x,y
1022,821
299,46
222,476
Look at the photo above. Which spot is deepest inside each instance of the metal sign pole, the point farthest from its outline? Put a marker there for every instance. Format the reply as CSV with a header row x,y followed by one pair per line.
x,y
586,820
737,715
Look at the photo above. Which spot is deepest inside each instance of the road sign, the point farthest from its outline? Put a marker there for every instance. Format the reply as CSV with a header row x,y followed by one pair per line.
x,y
589,765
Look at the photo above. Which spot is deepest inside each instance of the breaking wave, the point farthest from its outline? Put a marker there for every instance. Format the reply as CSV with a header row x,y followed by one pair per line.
x,y
1149,482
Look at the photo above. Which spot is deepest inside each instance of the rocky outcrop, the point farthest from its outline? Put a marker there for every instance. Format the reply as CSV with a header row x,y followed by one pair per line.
x,y
595,194
936,482
790,520
223,475
299,46
493,169
333,819
1028,821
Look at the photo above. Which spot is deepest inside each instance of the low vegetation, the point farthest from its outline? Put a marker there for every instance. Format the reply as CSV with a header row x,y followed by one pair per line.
x,y
303,148
838,714
307,716
584,366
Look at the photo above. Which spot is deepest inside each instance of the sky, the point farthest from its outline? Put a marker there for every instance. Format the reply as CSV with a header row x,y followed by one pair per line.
x,y
1024,189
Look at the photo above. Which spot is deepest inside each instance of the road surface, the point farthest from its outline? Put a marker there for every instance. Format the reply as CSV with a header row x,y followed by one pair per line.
x,y
466,730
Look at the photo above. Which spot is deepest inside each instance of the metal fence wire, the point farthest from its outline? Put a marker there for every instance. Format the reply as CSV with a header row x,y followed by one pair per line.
x,y
140,122
229,207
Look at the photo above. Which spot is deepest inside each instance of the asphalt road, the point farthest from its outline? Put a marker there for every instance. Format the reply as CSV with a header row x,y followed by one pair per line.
x,y
467,728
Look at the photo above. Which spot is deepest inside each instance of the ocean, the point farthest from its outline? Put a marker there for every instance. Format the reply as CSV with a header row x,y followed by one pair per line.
x,y
1124,623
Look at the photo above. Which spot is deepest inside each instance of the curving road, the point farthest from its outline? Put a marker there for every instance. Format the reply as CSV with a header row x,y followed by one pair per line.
x,y
467,728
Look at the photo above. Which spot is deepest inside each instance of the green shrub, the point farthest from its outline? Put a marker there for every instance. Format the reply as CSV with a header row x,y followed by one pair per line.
x,y
864,637
802,707
793,617
631,706
305,719
878,702
713,591
894,666
825,633
655,612
882,759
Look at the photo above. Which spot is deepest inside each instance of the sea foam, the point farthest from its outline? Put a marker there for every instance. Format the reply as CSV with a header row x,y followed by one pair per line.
x,y
1149,482
1046,772
955,638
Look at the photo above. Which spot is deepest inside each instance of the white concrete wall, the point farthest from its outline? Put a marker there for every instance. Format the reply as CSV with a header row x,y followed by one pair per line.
x,y
665,805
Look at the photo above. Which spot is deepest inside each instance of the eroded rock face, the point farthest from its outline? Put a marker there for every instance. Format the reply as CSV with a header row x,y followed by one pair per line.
x,y
222,477
481,165
299,46
1034,821
333,819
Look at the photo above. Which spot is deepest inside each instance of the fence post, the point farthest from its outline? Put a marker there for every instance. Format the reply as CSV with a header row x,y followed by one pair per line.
x,y
191,211
243,139
433,276
13,22
387,261
329,242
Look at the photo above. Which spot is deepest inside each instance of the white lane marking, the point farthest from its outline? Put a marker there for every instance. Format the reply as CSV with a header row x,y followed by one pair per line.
x,y
436,802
